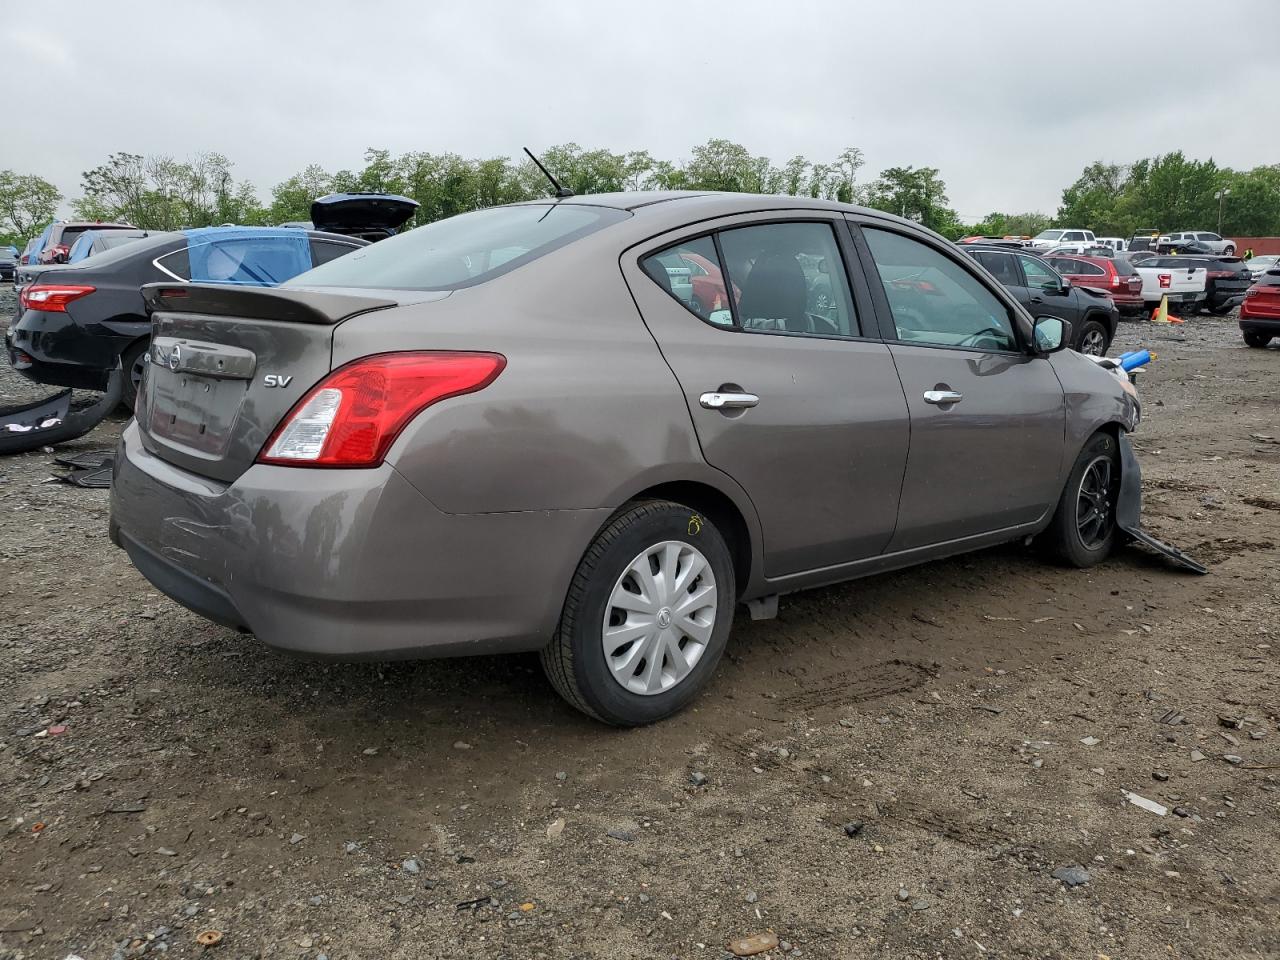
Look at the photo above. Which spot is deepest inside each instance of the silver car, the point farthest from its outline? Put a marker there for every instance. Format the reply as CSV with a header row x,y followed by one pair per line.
x,y
509,431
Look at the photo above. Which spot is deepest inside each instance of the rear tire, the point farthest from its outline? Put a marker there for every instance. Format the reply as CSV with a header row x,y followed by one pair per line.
x,y
131,362
1094,339
619,681
1256,339
1083,530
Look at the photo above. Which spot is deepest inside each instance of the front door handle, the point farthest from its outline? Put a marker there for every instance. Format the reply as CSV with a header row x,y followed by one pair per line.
x,y
942,397
728,401
1037,300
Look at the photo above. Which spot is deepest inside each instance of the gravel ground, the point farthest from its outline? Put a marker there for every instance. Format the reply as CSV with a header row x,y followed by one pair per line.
x,y
893,768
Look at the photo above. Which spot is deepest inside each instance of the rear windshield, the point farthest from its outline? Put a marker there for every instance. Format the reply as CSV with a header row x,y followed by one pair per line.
x,y
71,234
464,250
1270,279
1050,235
1123,267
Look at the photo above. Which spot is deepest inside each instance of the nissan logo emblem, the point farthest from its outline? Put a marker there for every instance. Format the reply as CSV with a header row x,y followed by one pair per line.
x,y
175,357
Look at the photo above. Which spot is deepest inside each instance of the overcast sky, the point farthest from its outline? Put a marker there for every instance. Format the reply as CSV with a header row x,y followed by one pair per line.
x,y
1008,98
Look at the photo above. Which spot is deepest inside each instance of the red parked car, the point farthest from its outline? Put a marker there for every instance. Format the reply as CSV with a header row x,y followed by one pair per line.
x,y
1117,277
1260,312
708,283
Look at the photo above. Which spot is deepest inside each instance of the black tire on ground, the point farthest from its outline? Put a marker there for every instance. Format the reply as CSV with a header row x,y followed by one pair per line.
x,y
575,660
1256,338
1221,311
129,360
1064,539
1094,338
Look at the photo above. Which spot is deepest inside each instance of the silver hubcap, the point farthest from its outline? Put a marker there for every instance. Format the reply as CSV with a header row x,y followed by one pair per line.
x,y
659,618
1094,343
1093,503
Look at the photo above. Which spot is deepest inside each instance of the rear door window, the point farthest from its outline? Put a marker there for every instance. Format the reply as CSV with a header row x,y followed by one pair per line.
x,y
464,250
790,279
780,278
1001,266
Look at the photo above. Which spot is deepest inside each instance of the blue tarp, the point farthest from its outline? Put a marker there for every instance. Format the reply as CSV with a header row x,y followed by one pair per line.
x,y
80,249
249,256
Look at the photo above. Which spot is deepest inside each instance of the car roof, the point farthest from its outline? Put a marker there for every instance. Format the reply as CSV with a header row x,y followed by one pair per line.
x,y
998,248
712,203
1096,261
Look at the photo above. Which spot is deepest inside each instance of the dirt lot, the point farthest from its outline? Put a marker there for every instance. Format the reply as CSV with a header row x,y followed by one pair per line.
x,y
979,718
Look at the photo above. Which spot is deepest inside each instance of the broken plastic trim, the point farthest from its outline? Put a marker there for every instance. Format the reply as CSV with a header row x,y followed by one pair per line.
x,y
1129,508
63,423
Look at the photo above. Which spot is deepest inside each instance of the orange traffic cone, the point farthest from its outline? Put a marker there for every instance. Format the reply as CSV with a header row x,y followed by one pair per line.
x,y
1161,313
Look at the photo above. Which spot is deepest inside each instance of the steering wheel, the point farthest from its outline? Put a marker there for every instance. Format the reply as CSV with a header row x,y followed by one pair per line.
x,y
1000,337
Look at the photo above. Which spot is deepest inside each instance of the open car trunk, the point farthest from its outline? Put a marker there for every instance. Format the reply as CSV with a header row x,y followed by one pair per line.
x,y
370,216
226,364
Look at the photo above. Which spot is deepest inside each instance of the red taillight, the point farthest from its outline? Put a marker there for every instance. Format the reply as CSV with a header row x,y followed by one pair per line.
x,y
52,297
1115,279
352,416
1165,280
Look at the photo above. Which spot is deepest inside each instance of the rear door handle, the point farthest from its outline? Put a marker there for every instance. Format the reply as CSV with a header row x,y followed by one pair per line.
x,y
728,401
942,397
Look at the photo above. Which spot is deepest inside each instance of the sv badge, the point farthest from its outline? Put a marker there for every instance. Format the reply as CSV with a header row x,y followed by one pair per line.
x,y
276,380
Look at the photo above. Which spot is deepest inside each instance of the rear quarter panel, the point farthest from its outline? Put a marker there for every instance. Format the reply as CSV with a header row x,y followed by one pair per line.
x,y
585,412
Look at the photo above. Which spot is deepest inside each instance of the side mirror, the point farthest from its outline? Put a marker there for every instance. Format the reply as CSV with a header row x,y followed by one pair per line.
x,y
1050,334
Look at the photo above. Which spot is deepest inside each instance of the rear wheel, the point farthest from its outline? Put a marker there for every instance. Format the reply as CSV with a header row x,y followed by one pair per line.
x,y
132,361
1083,529
1093,339
647,616
1255,338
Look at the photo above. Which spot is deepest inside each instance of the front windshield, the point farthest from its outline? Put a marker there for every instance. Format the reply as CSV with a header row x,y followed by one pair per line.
x,y
1050,234
464,250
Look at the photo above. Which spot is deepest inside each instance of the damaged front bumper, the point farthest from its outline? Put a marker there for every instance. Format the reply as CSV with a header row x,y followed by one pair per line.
x,y
1129,508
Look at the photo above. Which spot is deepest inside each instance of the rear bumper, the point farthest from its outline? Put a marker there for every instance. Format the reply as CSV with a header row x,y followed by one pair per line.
x,y
1226,299
1269,325
52,348
349,564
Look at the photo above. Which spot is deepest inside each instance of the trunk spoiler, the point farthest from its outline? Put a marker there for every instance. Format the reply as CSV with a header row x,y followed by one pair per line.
x,y
259,303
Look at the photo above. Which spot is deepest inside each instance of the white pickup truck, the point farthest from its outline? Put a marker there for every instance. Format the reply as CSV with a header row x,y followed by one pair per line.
x,y
1059,240
1180,285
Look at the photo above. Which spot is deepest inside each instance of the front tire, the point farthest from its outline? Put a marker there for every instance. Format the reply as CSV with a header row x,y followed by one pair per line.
x,y
647,616
1083,532
1255,338
1094,339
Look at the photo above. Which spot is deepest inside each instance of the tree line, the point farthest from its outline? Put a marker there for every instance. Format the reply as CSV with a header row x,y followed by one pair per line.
x,y
162,193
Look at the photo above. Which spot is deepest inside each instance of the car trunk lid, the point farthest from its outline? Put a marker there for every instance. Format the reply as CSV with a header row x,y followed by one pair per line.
x,y
227,363
372,216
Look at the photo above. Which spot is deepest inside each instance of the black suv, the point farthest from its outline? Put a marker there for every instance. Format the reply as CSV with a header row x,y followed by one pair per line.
x,y
1093,315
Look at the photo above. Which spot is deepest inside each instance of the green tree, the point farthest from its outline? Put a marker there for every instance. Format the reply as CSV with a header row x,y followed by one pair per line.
x,y
161,193
27,203
918,194
1092,202
1253,207
291,198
